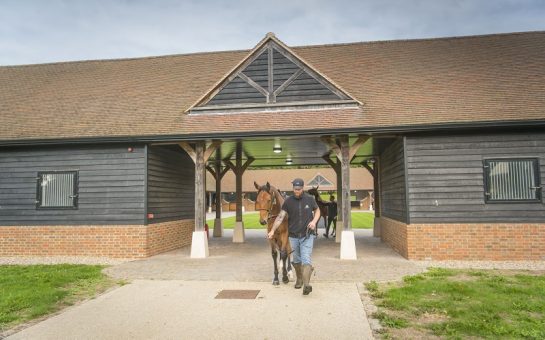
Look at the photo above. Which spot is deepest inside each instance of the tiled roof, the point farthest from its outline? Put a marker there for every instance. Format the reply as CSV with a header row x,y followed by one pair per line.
x,y
432,81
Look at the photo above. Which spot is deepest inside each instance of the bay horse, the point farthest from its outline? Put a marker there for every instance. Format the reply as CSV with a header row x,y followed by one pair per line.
x,y
269,202
321,204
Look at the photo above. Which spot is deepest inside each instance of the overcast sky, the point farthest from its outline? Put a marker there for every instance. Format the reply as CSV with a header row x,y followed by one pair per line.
x,y
40,31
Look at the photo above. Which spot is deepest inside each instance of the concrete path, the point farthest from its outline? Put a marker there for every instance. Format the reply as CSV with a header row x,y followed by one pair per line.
x,y
172,296
188,310
251,261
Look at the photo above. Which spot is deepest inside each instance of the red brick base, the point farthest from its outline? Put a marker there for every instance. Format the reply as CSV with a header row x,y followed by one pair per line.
x,y
486,241
123,241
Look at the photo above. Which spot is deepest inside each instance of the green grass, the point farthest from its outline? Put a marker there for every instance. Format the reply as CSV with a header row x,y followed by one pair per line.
x,y
28,292
464,303
360,220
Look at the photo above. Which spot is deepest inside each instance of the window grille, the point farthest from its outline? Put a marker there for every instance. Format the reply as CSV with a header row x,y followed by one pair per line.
x,y
57,190
319,180
512,180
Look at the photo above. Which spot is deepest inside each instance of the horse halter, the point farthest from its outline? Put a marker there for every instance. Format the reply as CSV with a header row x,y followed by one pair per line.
x,y
268,210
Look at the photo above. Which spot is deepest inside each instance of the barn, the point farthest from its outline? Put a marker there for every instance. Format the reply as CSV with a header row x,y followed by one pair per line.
x,y
108,157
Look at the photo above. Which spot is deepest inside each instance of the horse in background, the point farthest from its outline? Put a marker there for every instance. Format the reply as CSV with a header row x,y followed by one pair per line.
x,y
269,203
321,204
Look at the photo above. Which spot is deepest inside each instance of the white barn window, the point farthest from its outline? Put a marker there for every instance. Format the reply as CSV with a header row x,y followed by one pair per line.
x,y
57,190
512,180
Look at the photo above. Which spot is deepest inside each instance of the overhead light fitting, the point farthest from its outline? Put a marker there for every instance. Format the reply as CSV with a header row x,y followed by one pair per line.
x,y
277,149
289,161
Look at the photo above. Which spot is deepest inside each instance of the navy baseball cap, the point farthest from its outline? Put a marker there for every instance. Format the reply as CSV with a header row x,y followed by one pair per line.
x,y
298,183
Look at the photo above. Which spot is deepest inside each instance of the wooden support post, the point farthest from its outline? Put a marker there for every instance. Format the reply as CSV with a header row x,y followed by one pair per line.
x,y
199,155
345,153
345,178
337,167
238,182
348,242
377,232
199,186
218,173
239,169
340,222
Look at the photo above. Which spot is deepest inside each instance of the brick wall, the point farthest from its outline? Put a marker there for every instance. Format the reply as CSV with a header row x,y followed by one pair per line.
x,y
123,241
486,241
394,233
167,236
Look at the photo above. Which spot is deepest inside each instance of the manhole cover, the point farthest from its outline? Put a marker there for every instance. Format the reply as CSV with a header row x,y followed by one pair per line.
x,y
237,294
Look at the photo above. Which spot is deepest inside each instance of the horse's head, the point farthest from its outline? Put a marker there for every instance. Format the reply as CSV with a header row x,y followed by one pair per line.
x,y
263,202
313,191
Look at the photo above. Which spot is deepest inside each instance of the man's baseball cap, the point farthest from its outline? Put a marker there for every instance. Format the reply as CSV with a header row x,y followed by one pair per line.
x,y
298,183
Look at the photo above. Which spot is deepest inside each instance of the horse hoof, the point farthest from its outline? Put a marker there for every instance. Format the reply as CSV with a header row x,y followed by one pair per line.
x,y
276,283
285,280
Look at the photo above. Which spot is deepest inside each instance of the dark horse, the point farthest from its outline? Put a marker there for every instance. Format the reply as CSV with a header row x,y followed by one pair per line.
x,y
321,204
269,202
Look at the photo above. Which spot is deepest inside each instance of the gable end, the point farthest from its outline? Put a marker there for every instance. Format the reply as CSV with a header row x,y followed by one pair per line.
x,y
272,76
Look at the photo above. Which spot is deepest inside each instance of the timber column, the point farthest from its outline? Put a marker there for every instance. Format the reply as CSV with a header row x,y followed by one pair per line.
x,y
348,242
339,202
218,173
199,155
238,232
344,152
238,169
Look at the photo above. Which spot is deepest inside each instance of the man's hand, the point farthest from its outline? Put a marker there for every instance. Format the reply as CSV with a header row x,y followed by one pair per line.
x,y
312,225
270,235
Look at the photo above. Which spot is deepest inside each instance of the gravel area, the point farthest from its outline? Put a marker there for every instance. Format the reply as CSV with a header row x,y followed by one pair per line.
x,y
28,260
516,265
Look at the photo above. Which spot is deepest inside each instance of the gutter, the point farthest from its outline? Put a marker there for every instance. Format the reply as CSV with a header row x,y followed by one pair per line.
x,y
399,129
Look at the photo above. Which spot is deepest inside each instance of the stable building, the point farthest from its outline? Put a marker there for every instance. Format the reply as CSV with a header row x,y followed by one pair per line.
x,y
108,157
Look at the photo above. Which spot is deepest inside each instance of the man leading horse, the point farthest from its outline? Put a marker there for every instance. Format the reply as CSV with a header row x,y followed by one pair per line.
x,y
303,214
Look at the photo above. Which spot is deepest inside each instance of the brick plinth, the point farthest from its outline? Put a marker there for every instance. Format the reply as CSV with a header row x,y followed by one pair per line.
x,y
121,241
475,241
394,233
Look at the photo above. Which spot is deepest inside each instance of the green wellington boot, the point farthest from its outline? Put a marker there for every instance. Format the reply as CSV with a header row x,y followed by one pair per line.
x,y
299,275
307,271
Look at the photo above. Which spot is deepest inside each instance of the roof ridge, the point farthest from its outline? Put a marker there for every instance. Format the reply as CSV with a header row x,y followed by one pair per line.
x,y
124,59
456,37
292,47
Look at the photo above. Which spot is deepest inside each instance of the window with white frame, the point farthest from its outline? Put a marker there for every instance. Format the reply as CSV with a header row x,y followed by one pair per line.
x,y
319,180
57,190
512,180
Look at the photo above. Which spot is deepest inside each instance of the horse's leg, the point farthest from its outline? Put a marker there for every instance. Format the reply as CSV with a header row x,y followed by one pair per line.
x,y
284,256
274,256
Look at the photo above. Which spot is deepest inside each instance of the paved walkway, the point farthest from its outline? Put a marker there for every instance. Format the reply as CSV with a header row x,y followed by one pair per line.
x,y
172,296
189,310
251,261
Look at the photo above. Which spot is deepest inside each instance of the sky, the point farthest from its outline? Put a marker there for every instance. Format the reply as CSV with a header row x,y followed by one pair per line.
x,y
43,31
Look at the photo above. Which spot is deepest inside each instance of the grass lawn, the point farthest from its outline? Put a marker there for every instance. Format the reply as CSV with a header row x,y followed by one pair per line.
x,y
360,220
463,303
28,292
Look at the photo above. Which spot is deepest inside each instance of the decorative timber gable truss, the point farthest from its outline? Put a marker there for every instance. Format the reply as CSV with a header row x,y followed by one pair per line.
x,y
272,76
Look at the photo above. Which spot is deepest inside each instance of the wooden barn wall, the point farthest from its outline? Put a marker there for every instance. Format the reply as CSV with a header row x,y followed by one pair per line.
x,y
239,91
445,177
171,184
111,185
392,182
304,88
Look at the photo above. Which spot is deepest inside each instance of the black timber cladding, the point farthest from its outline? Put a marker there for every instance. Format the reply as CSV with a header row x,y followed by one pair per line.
x,y
392,182
274,75
445,177
111,184
171,184
237,92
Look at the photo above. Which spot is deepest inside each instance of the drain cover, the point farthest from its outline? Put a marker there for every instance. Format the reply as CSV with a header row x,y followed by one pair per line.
x,y
237,294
